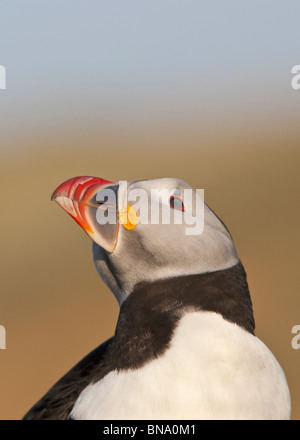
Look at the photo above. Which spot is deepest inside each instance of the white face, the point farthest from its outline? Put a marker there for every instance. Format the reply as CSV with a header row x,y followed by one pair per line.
x,y
150,251
187,239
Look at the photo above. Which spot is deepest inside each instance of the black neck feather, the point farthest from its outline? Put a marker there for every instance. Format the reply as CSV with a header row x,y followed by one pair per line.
x,y
148,317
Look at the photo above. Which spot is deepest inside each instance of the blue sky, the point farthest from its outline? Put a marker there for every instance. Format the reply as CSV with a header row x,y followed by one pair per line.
x,y
145,60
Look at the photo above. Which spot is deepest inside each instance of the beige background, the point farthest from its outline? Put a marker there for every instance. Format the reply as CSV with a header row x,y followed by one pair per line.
x,y
53,304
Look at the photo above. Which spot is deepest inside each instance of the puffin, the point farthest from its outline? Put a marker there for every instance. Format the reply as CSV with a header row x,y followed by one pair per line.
x,y
184,346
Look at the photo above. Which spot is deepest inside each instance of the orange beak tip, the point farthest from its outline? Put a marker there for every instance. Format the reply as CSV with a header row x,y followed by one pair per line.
x,y
74,196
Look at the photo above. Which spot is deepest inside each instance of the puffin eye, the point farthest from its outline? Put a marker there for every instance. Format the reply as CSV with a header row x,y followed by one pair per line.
x,y
176,203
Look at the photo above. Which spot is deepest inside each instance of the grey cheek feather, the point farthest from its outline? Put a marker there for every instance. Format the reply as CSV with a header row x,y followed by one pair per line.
x,y
107,271
153,252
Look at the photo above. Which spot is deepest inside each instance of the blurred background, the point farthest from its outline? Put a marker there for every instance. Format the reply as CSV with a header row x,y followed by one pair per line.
x,y
136,90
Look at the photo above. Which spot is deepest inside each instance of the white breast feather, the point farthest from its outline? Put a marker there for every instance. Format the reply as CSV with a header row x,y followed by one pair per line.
x,y
213,370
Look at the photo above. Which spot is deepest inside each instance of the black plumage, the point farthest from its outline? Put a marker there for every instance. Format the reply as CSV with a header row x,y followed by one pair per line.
x,y
147,320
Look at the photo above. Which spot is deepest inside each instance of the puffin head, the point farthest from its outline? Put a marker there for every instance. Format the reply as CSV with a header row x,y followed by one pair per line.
x,y
146,230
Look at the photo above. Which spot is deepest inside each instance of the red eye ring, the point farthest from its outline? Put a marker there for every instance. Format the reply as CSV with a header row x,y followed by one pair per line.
x,y
176,202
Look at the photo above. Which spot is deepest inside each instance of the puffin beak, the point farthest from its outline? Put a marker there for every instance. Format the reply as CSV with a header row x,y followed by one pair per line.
x,y
79,198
